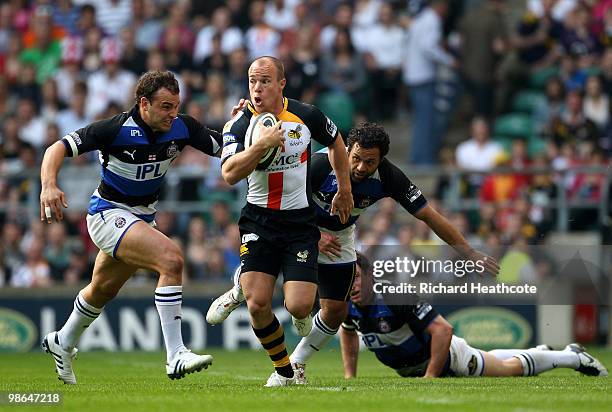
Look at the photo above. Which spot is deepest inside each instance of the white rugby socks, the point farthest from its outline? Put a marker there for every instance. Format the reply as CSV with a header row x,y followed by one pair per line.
x,y
81,317
318,337
168,300
536,361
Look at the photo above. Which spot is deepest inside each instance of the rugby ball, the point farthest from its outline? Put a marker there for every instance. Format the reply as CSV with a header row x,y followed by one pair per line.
x,y
252,134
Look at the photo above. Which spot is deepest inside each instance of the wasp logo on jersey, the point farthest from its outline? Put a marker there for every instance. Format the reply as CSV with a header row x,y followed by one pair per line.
x,y
295,133
244,250
302,256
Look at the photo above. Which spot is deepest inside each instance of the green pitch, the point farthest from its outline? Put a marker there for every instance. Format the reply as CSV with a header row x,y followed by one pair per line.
x,y
137,382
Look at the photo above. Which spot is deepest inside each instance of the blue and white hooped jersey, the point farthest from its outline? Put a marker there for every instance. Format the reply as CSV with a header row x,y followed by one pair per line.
x,y
387,181
396,334
134,159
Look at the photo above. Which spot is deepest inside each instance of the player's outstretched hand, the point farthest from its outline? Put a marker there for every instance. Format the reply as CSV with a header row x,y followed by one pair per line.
x,y
489,263
342,205
271,136
241,105
329,245
52,199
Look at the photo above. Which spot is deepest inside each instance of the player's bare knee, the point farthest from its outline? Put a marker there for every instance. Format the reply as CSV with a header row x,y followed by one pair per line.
x,y
333,314
171,265
258,308
299,310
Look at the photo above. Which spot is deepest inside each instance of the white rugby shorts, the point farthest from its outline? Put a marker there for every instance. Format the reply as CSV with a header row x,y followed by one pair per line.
x,y
465,360
346,237
108,227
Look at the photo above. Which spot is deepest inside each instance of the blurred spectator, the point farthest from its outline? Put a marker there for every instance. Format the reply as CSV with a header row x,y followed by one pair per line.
x,y
58,251
133,58
538,36
343,69
26,86
573,77
220,218
279,14
302,67
7,101
66,16
177,20
606,71
343,18
239,17
577,38
302,22
74,117
483,42
113,15
503,187
573,126
35,271
92,60
196,252
216,268
42,44
176,59
547,110
111,84
231,247
31,125
383,59
237,81
478,153
260,39
221,25
50,104
217,61
146,23
70,70
5,29
596,102
216,103
87,19
11,61
11,145
423,53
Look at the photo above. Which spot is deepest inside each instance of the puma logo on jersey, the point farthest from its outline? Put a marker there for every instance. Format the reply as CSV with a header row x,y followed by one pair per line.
x,y
130,154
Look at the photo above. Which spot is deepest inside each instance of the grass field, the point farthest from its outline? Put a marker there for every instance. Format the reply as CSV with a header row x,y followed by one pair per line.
x,y
137,382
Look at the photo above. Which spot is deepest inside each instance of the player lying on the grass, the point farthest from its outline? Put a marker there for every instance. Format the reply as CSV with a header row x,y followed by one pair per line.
x,y
136,149
415,340
373,177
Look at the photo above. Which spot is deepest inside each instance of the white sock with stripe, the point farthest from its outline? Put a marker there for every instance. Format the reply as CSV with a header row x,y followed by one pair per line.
x,y
168,301
537,361
83,314
318,337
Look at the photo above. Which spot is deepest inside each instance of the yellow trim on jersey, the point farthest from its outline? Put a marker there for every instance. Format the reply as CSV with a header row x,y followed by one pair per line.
x,y
285,115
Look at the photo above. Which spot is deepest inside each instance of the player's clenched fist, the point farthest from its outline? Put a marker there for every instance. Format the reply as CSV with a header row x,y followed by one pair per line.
x,y
52,199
